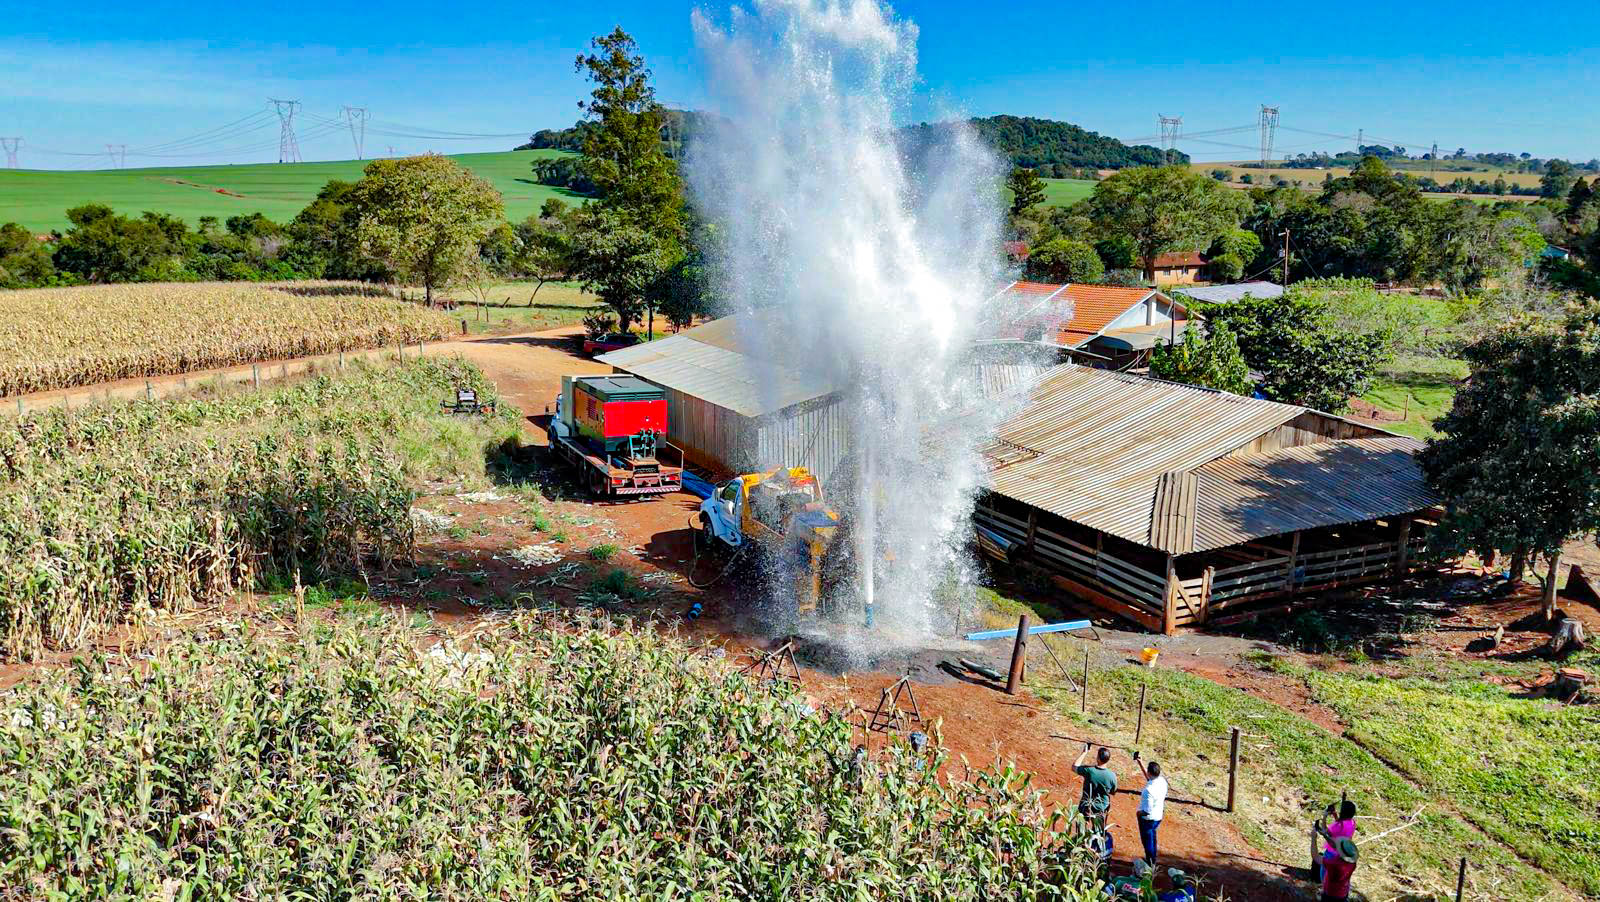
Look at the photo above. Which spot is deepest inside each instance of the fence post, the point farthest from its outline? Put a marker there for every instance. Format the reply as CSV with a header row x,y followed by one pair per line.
x,y
1083,703
255,374
1205,593
1138,729
399,351
463,325
1169,613
1461,880
19,406
341,358
1019,654
1294,560
1404,550
422,348
1233,764
149,393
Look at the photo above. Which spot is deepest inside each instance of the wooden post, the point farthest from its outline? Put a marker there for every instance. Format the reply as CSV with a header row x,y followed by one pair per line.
x,y
1233,764
19,404
1099,549
1205,593
463,325
1403,553
1019,654
422,348
1169,614
341,358
1316,854
1033,526
399,351
1294,558
149,393
1083,703
1554,561
255,374
1138,729
1461,880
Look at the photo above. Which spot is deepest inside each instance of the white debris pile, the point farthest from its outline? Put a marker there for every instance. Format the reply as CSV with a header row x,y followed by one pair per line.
x,y
431,521
456,663
481,497
535,555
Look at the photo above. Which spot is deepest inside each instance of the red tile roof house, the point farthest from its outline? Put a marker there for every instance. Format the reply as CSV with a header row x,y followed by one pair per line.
x,y
1179,268
1106,324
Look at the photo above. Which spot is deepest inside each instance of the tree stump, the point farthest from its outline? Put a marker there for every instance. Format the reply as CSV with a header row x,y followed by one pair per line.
x,y
1569,637
1570,681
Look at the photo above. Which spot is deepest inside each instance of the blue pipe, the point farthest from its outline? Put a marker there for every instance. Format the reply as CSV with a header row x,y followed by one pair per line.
x,y
1065,627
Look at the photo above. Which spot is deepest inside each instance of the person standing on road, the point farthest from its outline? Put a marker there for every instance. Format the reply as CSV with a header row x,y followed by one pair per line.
x,y
1099,785
1152,807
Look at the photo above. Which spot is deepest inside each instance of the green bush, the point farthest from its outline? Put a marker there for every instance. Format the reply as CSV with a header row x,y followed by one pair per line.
x,y
549,763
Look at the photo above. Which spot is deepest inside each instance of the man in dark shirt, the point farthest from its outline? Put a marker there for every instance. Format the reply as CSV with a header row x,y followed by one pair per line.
x,y
1099,784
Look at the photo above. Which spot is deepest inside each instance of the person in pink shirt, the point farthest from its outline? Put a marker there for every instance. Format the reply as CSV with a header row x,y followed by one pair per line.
x,y
1334,829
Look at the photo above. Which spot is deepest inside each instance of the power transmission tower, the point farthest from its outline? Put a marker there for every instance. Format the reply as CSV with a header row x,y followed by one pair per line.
x,y
357,117
11,146
1433,160
288,147
118,154
1360,138
1269,133
1171,131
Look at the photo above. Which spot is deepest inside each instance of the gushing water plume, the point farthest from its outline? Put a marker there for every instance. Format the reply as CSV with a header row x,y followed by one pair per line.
x,y
865,270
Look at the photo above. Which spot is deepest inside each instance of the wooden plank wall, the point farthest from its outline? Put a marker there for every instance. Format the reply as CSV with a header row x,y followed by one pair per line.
x,y
1309,428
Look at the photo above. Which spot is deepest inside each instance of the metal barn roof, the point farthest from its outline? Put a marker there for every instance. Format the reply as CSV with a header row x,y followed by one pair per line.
x,y
1227,294
710,363
1139,459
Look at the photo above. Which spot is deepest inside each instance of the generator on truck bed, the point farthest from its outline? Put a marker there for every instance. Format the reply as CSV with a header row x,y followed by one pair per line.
x,y
612,430
783,511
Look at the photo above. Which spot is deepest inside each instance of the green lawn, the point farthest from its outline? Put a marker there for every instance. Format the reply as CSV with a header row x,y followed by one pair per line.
x,y
1065,192
1420,388
38,199
518,306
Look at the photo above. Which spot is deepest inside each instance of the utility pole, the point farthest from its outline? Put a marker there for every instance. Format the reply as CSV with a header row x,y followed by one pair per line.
x,y
118,154
288,147
1269,132
357,117
391,151
1285,280
1171,131
11,145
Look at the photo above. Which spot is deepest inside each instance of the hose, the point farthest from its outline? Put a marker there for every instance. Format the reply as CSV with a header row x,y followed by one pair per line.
x,y
695,563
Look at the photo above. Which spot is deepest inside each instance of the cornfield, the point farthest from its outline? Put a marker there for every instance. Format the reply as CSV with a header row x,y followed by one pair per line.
x,y
546,763
63,337
110,512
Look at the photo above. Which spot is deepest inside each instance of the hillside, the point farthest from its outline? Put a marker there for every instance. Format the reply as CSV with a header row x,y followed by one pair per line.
x,y
39,199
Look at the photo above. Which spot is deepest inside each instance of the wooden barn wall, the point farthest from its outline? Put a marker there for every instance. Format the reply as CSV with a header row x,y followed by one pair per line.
x,y
814,434
711,436
1309,428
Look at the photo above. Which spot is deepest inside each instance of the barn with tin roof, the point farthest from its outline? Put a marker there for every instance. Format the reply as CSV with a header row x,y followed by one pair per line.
x,y
1172,505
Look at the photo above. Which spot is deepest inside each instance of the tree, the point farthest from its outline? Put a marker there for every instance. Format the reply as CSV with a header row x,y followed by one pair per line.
x,y
1027,189
1303,356
1162,209
103,246
621,261
545,247
622,147
1514,460
1209,361
1065,260
1557,179
1231,253
24,260
424,217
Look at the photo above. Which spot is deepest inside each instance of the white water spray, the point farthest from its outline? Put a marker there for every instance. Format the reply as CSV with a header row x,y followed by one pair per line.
x,y
871,273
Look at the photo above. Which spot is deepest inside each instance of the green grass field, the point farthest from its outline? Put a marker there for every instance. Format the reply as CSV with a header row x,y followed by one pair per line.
x,y
1065,192
38,199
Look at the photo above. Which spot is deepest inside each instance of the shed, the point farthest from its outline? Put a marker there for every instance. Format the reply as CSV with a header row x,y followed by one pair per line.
x,y
731,410
1179,267
1170,504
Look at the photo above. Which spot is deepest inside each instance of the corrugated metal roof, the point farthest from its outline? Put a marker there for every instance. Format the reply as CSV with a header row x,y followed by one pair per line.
x,y
1227,294
1242,498
705,362
1071,314
1129,456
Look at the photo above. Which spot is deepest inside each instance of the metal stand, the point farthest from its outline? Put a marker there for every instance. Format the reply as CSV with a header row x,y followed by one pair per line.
x,y
777,665
889,714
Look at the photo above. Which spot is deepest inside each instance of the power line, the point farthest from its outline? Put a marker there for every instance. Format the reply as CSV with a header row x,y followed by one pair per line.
x,y
357,117
11,146
118,154
1171,130
288,147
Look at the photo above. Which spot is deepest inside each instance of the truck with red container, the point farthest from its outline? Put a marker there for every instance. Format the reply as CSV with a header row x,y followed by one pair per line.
x,y
612,430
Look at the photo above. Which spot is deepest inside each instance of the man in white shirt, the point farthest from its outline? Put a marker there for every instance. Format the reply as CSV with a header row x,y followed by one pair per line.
x,y
1152,806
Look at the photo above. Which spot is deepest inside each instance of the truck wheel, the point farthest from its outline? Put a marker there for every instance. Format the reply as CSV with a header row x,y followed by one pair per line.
x,y
702,536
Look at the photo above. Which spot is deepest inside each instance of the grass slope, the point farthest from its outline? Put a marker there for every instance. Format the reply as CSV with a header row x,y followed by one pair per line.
x,y
38,199
1065,192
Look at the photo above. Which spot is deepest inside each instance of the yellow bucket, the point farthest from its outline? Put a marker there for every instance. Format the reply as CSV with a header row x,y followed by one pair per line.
x,y
1149,655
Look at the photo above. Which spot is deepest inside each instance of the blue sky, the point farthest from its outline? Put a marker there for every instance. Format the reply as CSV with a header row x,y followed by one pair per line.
x,y
1467,73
